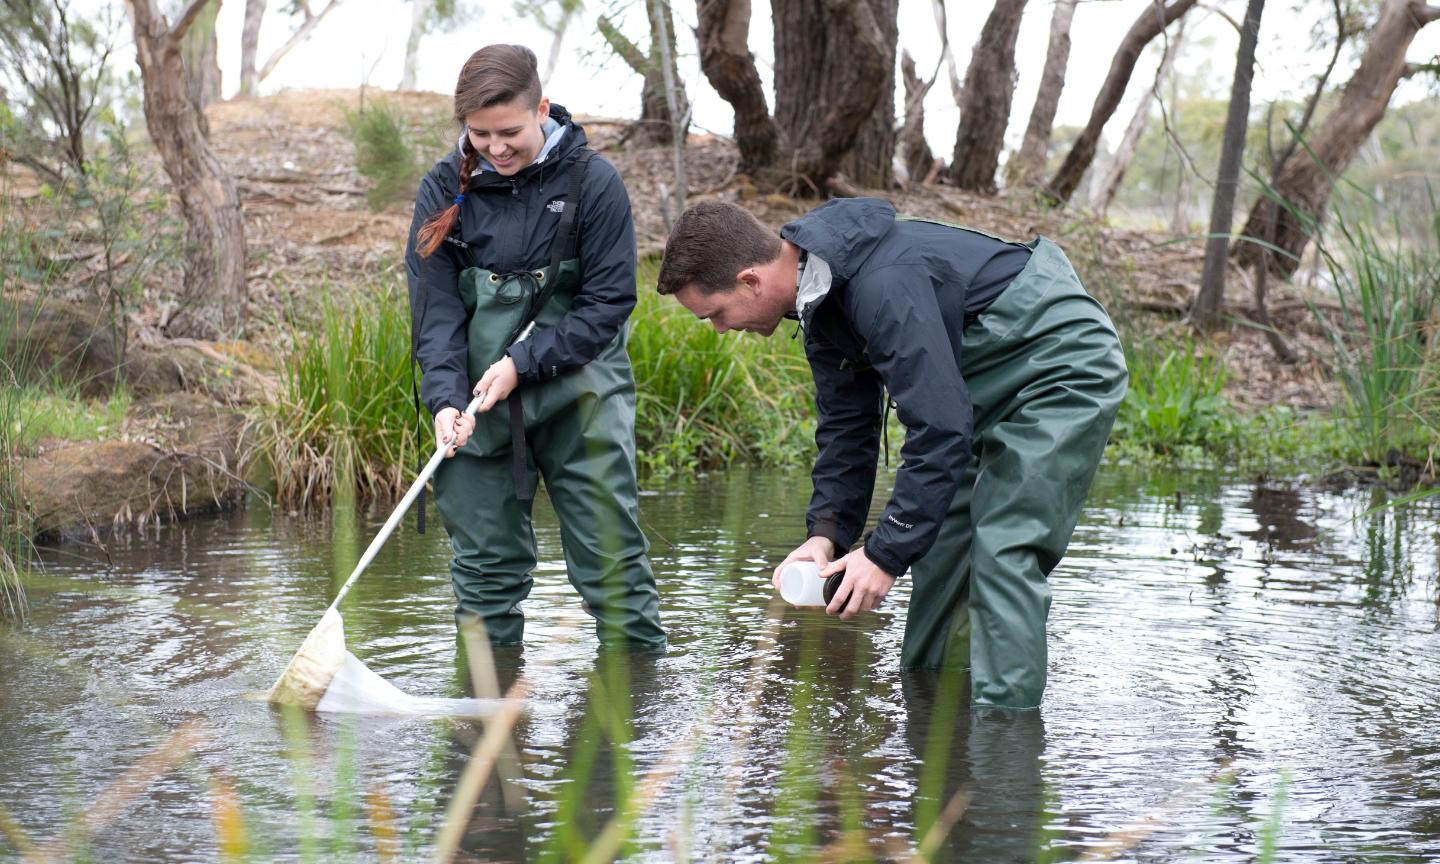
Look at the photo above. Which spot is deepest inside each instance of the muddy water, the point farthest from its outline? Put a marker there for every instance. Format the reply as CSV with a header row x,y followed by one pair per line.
x,y
1232,665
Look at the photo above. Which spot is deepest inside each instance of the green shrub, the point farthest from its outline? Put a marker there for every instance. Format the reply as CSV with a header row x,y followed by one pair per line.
x,y
384,154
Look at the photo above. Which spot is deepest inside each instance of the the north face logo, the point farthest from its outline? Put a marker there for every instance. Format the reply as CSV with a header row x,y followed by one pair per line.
x,y
556,206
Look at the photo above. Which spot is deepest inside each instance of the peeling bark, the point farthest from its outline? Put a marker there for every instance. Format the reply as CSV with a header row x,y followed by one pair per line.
x,y
985,110
215,229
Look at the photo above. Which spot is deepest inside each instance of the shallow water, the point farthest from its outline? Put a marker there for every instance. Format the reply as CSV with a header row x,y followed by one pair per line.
x,y
1225,656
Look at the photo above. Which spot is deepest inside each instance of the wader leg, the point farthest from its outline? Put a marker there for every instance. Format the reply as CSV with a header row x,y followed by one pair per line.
x,y
1046,375
587,456
937,627
492,538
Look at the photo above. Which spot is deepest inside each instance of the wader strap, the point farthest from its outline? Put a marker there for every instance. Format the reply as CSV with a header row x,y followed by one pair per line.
x,y
417,321
562,248
567,236
517,446
419,448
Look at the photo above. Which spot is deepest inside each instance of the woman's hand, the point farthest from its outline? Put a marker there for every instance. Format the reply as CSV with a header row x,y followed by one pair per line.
x,y
454,426
818,549
496,383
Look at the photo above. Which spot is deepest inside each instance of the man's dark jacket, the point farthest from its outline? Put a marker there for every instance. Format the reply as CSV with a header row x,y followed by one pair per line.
x,y
508,224
902,293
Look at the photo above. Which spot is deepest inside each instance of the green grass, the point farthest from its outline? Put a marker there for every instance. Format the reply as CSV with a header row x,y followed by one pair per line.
x,y
60,412
344,421
1174,399
1384,351
706,400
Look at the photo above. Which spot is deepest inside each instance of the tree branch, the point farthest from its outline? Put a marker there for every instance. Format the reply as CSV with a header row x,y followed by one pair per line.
x,y
1428,14
300,35
188,18
627,50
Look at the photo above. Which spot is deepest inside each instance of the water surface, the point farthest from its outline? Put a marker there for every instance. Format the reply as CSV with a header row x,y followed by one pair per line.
x,y
1226,656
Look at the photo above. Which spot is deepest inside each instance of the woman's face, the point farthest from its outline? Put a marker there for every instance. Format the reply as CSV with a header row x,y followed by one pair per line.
x,y
507,134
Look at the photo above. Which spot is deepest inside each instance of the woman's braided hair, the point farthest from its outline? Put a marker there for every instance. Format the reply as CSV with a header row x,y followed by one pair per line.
x,y
492,75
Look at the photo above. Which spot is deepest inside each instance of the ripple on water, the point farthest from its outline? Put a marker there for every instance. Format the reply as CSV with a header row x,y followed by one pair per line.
x,y
1216,647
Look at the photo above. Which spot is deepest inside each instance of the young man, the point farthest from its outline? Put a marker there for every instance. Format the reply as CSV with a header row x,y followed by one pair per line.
x,y
1006,374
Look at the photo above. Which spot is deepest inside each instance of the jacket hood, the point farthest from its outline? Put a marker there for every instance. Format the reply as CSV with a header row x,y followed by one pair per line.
x,y
843,231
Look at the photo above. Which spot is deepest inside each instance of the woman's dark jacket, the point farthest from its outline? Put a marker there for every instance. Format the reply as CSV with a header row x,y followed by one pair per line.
x,y
507,224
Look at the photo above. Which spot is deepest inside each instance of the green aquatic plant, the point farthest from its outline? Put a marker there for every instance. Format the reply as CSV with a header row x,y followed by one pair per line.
x,y
344,421
706,399
1269,836
14,530
1174,399
1384,347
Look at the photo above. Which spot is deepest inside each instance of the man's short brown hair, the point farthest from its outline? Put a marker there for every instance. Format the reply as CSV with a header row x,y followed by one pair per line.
x,y
711,242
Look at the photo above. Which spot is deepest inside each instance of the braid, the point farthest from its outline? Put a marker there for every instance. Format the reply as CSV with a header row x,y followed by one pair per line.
x,y
437,227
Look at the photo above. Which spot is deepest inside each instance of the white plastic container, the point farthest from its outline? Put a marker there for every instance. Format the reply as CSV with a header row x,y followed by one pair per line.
x,y
801,585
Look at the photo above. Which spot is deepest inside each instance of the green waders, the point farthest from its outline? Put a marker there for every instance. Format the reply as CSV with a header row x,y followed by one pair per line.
x,y
579,435
1046,375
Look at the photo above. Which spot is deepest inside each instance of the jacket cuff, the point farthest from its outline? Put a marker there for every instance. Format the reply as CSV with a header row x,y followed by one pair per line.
x,y
443,404
524,363
830,530
884,558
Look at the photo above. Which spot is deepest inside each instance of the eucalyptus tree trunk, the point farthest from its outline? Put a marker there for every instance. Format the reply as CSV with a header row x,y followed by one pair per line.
x,y
657,125
1305,179
1029,163
419,15
215,229
834,85
725,58
1151,23
250,45
822,103
201,57
871,162
985,106
915,152
1209,305
1130,142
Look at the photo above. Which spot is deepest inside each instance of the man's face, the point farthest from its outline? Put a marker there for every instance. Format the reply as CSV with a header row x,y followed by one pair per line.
x,y
754,305
508,134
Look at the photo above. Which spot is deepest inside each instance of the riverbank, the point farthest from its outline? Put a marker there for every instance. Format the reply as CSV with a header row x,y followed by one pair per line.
x,y
187,442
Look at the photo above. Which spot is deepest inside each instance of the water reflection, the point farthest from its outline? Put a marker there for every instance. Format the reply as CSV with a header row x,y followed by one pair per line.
x,y
1219,649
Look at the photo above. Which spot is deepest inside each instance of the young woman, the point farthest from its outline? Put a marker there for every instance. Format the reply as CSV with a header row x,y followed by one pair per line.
x,y
521,263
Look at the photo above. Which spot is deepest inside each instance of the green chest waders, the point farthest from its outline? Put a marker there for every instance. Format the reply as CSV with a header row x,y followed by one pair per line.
x,y
576,431
1046,375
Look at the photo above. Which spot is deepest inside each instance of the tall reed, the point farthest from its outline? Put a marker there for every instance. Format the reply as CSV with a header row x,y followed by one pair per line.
x,y
707,399
1385,346
17,248
344,421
